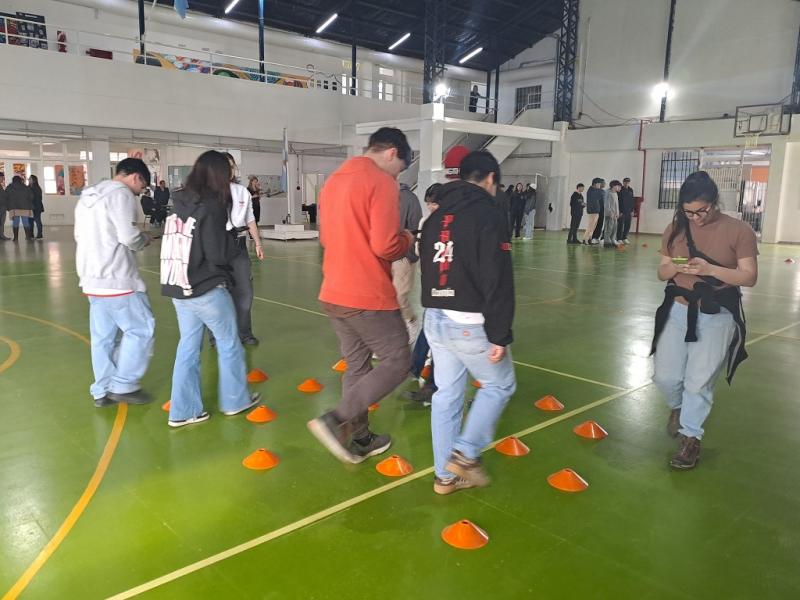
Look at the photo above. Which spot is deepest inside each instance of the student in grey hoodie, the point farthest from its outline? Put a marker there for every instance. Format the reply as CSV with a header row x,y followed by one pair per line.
x,y
106,240
611,215
405,269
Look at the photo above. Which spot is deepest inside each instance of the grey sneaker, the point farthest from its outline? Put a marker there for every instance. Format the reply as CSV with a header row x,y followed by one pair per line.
x,y
137,397
255,397
374,445
334,435
203,416
468,468
103,402
674,422
443,487
688,454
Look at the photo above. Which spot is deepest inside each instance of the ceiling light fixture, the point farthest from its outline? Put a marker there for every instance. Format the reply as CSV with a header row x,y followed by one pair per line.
x,y
325,25
470,55
231,6
400,41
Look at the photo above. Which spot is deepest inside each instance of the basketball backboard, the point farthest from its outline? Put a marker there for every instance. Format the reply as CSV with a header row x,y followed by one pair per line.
x,y
762,119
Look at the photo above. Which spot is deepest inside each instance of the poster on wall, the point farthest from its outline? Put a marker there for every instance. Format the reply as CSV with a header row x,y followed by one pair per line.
x,y
20,169
77,179
59,174
270,184
32,30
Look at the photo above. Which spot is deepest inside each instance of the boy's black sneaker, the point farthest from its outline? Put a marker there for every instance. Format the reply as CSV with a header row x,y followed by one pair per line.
x,y
332,434
374,444
688,454
137,397
103,402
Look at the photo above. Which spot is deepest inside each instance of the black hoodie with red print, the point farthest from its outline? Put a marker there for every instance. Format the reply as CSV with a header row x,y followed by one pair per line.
x,y
465,256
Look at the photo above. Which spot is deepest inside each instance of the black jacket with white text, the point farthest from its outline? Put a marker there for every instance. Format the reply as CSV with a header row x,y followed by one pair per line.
x,y
465,254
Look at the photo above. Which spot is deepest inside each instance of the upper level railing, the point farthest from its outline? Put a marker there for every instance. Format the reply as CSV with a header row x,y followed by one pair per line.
x,y
54,38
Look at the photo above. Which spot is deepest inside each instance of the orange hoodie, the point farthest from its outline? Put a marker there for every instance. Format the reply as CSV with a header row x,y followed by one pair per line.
x,y
359,215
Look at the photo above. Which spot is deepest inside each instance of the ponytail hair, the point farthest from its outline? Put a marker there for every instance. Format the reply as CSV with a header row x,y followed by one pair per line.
x,y
697,187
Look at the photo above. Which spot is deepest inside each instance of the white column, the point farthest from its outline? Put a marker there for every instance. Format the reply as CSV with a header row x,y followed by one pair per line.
x,y
557,184
774,211
431,147
100,163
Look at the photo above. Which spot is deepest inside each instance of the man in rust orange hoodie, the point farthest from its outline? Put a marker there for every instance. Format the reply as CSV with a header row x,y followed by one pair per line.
x,y
361,235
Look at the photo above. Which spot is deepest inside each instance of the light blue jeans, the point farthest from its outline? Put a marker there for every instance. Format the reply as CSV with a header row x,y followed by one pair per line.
x,y
120,361
686,372
529,219
214,310
457,350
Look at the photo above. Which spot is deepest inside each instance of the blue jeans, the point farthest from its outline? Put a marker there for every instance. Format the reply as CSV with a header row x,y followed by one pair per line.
x,y
214,310
120,361
26,221
529,218
458,349
686,372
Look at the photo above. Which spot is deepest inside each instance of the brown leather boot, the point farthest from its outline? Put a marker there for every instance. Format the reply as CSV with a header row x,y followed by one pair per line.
x,y
688,454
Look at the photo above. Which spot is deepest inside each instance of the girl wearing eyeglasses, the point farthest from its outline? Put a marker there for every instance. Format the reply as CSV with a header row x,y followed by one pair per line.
x,y
707,256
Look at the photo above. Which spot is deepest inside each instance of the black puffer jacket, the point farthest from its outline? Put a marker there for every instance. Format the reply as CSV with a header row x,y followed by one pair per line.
x,y
20,197
465,256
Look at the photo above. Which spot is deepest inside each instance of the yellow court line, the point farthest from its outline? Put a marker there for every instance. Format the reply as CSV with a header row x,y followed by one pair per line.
x,y
337,508
88,492
13,354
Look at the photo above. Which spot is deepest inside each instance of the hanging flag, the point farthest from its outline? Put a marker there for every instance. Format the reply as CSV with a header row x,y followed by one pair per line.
x,y
181,6
285,171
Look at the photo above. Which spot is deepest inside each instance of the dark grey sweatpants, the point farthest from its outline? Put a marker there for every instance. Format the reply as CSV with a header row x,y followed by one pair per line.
x,y
242,293
383,333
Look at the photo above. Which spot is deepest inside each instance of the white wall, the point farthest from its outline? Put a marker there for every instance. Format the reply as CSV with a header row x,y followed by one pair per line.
x,y
534,66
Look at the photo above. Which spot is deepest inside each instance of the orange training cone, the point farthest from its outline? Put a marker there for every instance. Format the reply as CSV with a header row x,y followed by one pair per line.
x,y
644,245
166,405
340,367
257,376
426,372
394,466
567,480
261,460
465,535
621,248
590,430
373,407
548,403
511,446
262,414
310,386
477,384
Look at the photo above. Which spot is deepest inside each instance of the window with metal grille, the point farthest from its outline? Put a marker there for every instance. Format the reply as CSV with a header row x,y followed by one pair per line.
x,y
676,166
528,97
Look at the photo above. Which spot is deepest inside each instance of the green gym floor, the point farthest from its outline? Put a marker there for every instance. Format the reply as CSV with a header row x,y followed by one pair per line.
x,y
96,503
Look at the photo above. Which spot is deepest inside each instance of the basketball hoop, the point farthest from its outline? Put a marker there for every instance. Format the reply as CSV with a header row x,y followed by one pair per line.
x,y
751,141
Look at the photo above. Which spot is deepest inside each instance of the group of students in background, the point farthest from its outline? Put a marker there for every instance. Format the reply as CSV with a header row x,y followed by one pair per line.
x,y
23,205
518,204
609,213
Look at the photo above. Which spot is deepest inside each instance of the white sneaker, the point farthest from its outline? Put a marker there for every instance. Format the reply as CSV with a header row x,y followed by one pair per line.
x,y
203,416
626,241
255,398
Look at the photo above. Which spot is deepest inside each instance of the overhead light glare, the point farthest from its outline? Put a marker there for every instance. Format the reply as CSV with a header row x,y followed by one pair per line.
x,y
231,6
472,54
325,25
400,41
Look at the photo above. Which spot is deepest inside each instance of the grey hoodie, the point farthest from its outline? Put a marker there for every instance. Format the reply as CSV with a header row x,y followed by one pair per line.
x,y
107,237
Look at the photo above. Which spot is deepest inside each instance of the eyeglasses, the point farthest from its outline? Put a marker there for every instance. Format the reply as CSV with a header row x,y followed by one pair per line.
x,y
696,213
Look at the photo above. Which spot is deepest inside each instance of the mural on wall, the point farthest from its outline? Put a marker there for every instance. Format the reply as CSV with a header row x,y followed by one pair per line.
x,y
23,29
20,169
77,179
196,65
59,173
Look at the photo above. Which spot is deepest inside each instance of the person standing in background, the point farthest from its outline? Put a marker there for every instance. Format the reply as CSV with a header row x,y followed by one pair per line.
x,y
626,207
517,209
597,234
20,207
530,211
474,96
254,187
594,200
576,206
3,208
38,206
161,198
611,215
404,269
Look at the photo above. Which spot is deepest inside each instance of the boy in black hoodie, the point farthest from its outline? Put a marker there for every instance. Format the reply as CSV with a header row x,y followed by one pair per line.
x,y
468,291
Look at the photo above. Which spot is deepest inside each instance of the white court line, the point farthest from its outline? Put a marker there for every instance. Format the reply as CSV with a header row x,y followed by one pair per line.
x,y
337,508
568,375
